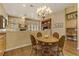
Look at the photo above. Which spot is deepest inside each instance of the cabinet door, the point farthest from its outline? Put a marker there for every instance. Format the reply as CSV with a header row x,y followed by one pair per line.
x,y
2,42
71,23
1,22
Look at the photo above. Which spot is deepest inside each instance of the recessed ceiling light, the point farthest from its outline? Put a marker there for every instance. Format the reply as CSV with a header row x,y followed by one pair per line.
x,y
24,5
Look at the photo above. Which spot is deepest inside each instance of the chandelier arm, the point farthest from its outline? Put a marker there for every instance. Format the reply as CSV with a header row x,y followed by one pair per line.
x,y
44,11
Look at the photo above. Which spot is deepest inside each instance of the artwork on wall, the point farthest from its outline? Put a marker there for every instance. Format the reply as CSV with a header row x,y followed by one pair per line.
x,y
58,25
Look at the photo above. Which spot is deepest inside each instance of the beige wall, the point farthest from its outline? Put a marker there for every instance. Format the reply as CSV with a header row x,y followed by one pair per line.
x,y
58,17
20,38
2,11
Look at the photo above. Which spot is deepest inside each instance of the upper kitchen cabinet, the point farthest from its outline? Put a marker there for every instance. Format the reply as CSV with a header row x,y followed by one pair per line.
x,y
3,22
71,9
71,22
71,17
46,24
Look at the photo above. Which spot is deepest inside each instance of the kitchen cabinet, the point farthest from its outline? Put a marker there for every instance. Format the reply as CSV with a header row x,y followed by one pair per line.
x,y
46,24
3,22
71,23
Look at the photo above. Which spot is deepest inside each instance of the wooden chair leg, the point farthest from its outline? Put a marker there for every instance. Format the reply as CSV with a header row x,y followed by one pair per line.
x,y
41,53
31,52
62,53
36,52
57,53
53,53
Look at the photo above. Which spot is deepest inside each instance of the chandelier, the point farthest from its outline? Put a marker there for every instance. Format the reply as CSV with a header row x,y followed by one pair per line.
x,y
44,11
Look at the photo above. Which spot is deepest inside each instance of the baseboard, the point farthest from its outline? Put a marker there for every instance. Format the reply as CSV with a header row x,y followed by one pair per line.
x,y
18,47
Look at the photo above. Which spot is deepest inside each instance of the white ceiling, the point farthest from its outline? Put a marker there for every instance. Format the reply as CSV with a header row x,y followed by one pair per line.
x,y
29,9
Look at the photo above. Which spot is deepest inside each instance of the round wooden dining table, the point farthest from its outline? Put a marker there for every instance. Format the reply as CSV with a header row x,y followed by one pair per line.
x,y
49,40
47,43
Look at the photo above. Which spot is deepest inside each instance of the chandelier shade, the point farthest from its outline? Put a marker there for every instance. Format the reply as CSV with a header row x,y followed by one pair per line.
x,y
44,11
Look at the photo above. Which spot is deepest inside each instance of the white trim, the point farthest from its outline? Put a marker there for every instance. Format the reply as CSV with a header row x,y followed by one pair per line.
x,y
18,47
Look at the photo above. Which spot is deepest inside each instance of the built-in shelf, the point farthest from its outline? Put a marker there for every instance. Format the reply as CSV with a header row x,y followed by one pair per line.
x,y
71,24
71,16
46,24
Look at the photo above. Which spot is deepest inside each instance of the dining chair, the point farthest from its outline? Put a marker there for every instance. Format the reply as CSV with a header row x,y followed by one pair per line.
x,y
39,34
35,47
59,48
42,46
55,34
1,52
61,44
46,51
